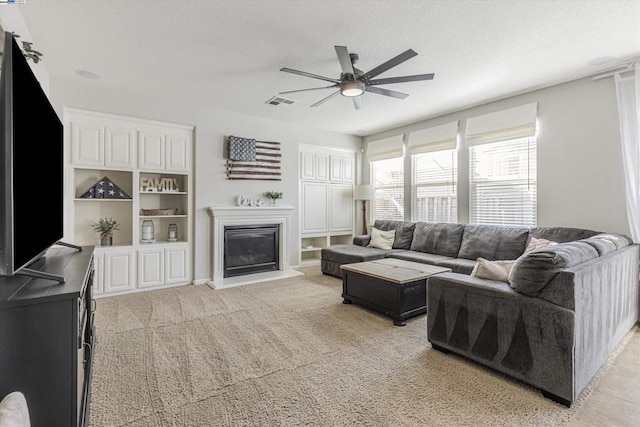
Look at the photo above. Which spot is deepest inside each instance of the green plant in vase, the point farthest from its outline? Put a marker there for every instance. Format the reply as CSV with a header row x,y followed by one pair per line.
x,y
273,196
105,228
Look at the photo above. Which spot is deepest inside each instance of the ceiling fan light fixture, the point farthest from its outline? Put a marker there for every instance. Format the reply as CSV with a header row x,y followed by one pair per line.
x,y
352,88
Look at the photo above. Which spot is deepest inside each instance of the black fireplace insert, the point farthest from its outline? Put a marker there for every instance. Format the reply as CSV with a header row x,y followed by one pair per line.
x,y
251,249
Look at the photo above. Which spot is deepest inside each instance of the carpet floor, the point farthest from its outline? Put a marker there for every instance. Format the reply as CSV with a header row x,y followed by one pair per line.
x,y
289,353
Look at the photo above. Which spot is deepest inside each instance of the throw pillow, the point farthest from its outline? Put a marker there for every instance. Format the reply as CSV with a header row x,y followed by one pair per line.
x,y
538,243
14,411
494,270
382,239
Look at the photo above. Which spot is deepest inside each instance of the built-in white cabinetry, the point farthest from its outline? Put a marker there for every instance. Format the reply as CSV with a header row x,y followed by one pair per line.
x,y
160,266
96,144
326,200
151,162
164,152
118,274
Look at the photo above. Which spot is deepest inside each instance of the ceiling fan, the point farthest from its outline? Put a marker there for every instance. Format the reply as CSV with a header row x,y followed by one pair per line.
x,y
354,82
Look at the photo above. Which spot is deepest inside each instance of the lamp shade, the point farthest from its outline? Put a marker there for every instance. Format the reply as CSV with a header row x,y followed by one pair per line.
x,y
364,192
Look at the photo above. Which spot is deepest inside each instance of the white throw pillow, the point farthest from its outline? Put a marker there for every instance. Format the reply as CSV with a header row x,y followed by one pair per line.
x,y
14,411
494,270
382,239
538,243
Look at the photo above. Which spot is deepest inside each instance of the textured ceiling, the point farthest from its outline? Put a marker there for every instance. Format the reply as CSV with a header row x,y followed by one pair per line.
x,y
228,54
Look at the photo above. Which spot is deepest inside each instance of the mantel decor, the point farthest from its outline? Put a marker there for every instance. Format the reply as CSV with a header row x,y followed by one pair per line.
x,y
253,160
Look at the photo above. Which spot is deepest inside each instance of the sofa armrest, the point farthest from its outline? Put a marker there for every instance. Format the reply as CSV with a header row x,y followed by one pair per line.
x,y
362,240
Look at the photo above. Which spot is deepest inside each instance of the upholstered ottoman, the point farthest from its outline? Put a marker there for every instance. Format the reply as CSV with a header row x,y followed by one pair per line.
x,y
334,256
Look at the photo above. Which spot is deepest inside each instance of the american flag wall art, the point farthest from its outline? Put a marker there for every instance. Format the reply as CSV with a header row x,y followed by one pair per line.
x,y
266,165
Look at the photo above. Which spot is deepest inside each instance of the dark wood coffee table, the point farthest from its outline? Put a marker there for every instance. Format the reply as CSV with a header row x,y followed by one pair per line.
x,y
393,287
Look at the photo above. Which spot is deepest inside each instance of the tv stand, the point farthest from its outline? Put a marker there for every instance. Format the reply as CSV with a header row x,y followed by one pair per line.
x,y
47,338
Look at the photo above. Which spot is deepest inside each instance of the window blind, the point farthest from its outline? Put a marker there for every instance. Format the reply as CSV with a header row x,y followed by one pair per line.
x,y
387,177
443,137
502,183
504,125
434,178
383,149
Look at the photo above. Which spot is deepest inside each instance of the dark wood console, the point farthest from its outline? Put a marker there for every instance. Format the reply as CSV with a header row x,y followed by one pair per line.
x,y
47,337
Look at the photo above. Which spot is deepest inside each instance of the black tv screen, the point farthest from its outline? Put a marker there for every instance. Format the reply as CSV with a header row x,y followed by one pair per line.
x,y
32,145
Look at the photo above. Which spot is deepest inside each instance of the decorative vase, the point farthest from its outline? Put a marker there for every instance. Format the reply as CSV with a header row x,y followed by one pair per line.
x,y
273,202
106,239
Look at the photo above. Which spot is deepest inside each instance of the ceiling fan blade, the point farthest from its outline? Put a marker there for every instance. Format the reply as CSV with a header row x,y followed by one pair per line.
x,y
397,60
313,76
386,92
323,100
402,79
345,61
304,90
357,102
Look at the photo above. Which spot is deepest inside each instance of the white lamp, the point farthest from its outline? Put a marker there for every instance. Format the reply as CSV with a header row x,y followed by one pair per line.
x,y
364,193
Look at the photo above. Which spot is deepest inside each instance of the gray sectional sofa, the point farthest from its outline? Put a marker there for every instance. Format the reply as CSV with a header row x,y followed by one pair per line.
x,y
552,324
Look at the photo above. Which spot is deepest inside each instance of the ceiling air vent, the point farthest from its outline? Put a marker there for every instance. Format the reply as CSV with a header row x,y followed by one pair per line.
x,y
278,100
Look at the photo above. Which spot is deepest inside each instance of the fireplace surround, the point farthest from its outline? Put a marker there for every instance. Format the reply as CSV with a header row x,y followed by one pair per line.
x,y
250,216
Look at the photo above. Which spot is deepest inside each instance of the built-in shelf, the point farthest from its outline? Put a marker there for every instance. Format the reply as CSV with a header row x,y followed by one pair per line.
x,y
162,193
102,200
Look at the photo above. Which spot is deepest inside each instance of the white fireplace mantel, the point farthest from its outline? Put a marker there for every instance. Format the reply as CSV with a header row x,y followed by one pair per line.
x,y
224,216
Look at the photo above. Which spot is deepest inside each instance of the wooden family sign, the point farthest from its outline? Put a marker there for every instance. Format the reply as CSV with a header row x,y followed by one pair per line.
x,y
159,184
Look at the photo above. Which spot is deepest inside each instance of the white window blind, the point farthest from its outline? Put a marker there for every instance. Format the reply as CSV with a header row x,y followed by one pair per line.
x,y
383,149
387,176
443,137
433,186
504,125
502,187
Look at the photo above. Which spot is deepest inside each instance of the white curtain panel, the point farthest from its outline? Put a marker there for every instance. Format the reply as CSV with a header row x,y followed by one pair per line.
x,y
628,93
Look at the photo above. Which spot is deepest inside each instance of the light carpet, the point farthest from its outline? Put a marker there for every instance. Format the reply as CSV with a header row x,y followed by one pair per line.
x,y
289,353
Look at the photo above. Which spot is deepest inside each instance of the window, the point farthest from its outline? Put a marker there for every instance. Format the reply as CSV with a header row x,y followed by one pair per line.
x,y
433,186
387,176
502,183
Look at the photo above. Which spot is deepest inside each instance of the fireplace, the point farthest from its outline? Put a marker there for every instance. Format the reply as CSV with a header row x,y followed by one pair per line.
x,y
250,249
248,217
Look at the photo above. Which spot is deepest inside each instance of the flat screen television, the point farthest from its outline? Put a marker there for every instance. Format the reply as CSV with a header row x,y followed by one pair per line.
x,y
31,180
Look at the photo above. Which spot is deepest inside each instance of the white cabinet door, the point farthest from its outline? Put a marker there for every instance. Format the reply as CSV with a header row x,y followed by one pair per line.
x,y
98,274
87,144
336,168
151,151
118,271
119,148
314,207
307,166
322,167
341,203
176,263
347,169
150,267
177,156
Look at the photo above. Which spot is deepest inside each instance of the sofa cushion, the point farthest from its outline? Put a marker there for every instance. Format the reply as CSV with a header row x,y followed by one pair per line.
x,y
561,234
617,239
347,254
493,242
404,231
437,238
533,271
602,246
381,239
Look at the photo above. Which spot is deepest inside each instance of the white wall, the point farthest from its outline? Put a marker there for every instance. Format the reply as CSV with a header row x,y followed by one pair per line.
x,y
212,126
580,172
